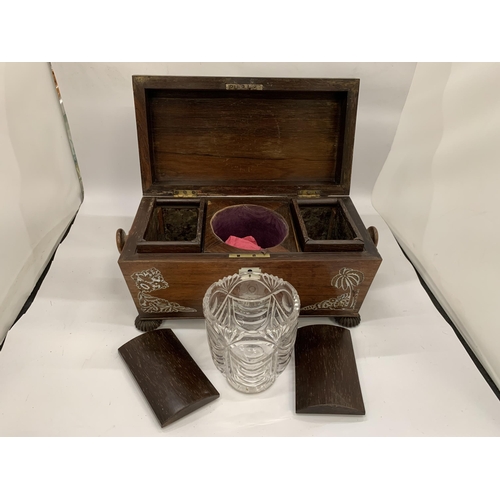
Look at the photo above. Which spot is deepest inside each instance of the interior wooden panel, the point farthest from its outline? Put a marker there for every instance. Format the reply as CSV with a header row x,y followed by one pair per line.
x,y
247,137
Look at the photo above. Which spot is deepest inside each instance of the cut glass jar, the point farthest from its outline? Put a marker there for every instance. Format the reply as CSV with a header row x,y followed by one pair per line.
x,y
251,321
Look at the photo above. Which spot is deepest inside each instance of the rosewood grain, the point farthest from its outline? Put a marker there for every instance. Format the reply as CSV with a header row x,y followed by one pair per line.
x,y
170,379
326,376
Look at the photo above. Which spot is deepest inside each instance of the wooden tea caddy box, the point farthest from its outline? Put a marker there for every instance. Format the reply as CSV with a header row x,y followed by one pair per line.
x,y
220,156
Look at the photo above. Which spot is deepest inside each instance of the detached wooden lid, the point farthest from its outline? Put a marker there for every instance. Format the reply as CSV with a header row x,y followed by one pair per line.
x,y
172,382
326,377
252,136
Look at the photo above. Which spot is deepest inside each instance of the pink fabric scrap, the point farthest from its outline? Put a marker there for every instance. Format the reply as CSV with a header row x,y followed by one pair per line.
x,y
246,243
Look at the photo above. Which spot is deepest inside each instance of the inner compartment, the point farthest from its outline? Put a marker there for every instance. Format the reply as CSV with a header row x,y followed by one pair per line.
x,y
173,222
173,226
325,225
267,227
327,222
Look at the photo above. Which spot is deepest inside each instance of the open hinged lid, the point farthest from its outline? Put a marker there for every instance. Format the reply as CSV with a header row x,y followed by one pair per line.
x,y
245,136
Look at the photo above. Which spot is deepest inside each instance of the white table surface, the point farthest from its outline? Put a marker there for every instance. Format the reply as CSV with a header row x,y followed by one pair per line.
x,y
61,374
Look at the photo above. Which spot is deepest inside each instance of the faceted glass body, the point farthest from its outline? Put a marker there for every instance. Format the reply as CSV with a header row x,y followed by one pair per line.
x,y
251,321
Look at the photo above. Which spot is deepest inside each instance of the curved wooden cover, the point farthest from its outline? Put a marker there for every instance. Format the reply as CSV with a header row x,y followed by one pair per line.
x,y
326,376
172,382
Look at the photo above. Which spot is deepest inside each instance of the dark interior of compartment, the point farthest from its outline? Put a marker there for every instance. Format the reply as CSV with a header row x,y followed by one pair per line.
x,y
326,222
173,223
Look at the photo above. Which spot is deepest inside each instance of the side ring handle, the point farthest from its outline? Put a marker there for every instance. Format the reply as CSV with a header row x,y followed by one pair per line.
x,y
121,238
372,231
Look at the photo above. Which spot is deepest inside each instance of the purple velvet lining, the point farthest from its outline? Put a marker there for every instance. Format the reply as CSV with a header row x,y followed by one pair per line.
x,y
267,227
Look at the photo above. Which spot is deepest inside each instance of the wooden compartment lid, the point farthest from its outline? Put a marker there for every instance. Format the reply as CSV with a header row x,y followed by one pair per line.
x,y
326,376
245,136
172,382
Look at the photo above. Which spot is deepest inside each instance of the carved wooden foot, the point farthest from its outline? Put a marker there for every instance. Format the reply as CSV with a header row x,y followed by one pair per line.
x,y
348,321
146,325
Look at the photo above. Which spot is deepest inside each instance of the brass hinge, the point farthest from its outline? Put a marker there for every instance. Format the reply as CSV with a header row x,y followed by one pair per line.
x,y
309,193
186,193
244,86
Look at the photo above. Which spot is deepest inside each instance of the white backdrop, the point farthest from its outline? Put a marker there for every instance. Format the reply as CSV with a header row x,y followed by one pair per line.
x,y
39,188
439,193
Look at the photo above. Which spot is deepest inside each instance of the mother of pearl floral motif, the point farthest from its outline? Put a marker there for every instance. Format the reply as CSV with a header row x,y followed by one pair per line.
x,y
149,281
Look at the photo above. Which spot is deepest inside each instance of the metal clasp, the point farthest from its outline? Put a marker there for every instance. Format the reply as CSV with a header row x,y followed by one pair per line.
x,y
244,86
250,273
